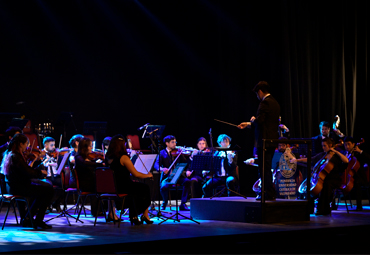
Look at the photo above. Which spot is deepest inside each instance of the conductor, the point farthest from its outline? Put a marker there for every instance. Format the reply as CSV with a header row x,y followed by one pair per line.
x,y
265,124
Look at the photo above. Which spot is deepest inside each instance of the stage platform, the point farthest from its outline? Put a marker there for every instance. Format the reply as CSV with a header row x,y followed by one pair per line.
x,y
249,210
339,232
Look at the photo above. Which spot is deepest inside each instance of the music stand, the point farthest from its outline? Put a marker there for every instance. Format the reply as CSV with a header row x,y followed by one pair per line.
x,y
64,212
219,167
18,122
172,180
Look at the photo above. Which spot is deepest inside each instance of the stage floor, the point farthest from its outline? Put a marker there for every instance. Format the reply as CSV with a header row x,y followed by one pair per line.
x,y
188,237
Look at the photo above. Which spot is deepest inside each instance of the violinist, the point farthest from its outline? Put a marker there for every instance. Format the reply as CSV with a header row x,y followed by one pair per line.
x,y
228,173
50,163
73,143
10,132
162,164
333,179
196,178
106,142
18,176
360,179
85,168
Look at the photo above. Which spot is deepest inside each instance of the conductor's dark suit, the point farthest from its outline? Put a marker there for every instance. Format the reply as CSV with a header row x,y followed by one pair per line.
x,y
266,126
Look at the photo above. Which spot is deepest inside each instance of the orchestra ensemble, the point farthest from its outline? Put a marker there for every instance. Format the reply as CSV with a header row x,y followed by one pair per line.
x,y
35,173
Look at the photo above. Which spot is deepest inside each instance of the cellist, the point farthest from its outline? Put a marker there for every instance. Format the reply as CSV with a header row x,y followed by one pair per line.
x,y
333,179
351,149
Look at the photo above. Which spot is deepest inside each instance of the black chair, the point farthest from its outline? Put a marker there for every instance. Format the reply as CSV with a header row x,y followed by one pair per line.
x,y
106,190
81,195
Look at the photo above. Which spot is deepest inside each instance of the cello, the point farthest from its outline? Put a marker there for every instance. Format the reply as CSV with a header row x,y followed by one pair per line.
x,y
351,170
318,174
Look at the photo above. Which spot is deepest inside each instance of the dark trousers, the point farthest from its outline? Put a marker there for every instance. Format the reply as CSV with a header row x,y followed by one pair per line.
x,y
216,181
58,191
331,182
185,192
40,195
269,153
196,186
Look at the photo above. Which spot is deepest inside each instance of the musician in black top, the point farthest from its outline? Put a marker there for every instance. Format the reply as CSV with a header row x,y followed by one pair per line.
x,y
138,200
333,180
85,170
227,175
10,132
19,175
325,131
197,177
360,178
73,143
162,164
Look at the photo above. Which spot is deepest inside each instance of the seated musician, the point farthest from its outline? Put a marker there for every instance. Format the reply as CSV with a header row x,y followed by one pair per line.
x,y
50,163
227,175
360,178
196,177
73,143
18,176
10,132
333,179
324,126
139,198
85,169
162,164
106,142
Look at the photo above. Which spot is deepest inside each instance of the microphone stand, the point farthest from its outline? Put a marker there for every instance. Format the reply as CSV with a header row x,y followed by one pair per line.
x,y
158,149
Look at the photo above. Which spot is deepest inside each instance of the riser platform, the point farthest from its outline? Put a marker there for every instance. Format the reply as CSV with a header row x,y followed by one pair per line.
x,y
238,209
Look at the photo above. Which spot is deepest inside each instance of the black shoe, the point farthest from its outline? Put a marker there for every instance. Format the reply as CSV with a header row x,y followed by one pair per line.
x,y
183,207
135,221
146,220
267,198
359,208
42,225
58,209
26,223
114,220
163,207
320,213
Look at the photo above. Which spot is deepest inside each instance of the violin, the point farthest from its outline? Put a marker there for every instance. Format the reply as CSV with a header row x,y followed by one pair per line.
x,y
95,155
31,154
187,151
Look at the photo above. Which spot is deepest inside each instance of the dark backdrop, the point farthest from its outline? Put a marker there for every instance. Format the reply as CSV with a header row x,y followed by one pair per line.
x,y
184,63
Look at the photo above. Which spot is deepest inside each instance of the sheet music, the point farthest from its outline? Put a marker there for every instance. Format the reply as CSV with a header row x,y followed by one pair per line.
x,y
147,160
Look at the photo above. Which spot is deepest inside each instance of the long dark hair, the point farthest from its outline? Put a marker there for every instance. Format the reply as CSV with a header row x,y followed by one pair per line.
x,y
117,147
13,146
83,147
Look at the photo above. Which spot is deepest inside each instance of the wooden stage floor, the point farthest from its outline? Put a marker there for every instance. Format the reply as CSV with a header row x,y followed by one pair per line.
x,y
338,233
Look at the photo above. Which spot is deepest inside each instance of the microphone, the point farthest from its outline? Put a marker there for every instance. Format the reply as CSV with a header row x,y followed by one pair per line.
x,y
140,128
210,131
